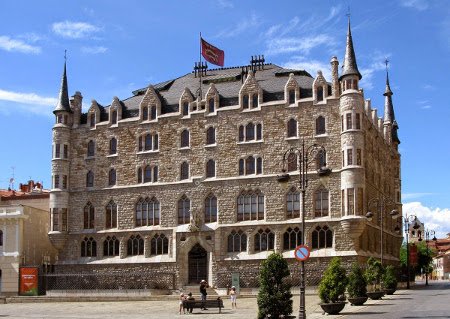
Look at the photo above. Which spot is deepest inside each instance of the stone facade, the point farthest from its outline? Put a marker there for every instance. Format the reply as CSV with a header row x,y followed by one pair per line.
x,y
157,145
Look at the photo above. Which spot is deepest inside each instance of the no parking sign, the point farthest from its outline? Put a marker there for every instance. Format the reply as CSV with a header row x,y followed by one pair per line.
x,y
302,252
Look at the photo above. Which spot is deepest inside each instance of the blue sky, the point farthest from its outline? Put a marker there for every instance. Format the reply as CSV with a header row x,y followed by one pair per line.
x,y
115,47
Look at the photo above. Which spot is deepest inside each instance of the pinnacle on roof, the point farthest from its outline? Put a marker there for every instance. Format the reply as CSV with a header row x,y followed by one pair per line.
x,y
389,115
63,101
349,66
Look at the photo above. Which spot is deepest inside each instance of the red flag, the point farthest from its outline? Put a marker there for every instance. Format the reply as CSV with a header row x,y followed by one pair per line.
x,y
212,54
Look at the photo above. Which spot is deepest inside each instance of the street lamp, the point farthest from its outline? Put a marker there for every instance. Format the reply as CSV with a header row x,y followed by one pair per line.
x,y
428,234
381,204
407,220
301,158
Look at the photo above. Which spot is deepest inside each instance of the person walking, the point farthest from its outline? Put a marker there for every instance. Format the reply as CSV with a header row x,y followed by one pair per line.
x,y
233,297
203,293
182,299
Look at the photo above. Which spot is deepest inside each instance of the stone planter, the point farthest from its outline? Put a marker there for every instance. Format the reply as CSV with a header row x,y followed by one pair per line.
x,y
375,295
389,291
357,301
333,308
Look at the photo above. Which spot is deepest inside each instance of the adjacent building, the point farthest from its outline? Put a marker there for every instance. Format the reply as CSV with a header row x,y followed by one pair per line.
x,y
178,182
24,220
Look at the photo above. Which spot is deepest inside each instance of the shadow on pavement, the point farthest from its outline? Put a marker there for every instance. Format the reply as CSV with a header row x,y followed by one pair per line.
x,y
359,313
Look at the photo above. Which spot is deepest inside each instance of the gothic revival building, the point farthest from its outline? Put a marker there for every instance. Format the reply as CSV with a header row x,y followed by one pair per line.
x,y
179,181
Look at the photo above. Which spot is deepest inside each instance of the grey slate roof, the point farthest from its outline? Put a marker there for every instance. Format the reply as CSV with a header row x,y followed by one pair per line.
x,y
349,67
228,81
63,101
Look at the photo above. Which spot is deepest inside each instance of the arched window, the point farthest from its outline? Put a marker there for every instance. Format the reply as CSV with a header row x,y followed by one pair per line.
x,y
185,108
184,210
250,206
90,179
147,212
112,146
258,165
291,96
147,174
139,175
322,237
153,112
148,142
155,174
292,128
145,113
111,246
92,120
184,171
89,216
250,132
258,132
210,168
293,204
211,136
211,209
135,245
292,162
245,102
211,105
321,159
111,215
88,247
237,241
319,94
320,125
321,202
241,133
184,139
112,177
159,245
155,142
264,240
249,165
241,166
90,148
114,117
292,238
255,100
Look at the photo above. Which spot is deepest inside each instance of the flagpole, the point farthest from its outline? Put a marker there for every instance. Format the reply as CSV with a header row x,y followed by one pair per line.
x,y
201,68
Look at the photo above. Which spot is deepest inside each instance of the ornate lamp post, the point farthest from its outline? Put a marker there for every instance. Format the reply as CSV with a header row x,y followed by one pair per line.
x,y
428,234
301,158
381,204
407,220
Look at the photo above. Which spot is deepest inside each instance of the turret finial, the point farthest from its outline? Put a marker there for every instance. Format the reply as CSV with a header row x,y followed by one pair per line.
x,y
63,101
350,66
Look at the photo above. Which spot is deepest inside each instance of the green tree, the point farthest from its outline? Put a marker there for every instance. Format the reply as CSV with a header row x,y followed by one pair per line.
x,y
390,278
357,284
374,272
333,283
274,296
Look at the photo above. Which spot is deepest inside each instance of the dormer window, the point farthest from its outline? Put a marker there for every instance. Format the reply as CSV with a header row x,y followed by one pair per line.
x,y
245,101
291,96
153,113
185,108
255,101
319,94
114,117
211,105
145,113
92,120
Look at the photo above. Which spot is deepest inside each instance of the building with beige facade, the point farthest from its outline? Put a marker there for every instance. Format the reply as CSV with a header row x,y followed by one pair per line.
x,y
24,220
178,182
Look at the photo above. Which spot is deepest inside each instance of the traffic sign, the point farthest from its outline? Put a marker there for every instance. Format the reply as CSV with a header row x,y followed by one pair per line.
x,y
302,252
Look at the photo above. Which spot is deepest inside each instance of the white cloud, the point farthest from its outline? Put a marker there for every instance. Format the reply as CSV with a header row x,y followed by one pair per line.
x,y
420,5
428,87
299,45
426,107
252,22
74,30
94,50
437,219
8,44
312,66
31,102
225,4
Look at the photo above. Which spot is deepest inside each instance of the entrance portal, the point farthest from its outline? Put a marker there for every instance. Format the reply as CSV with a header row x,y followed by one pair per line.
x,y
198,264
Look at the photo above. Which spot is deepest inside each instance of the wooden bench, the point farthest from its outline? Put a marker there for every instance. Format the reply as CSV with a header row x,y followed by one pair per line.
x,y
209,303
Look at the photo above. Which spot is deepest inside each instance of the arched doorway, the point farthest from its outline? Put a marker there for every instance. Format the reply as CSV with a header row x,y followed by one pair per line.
x,y
198,264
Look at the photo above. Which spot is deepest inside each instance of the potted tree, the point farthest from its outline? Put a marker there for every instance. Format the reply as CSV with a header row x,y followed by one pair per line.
x,y
374,272
332,287
389,280
356,287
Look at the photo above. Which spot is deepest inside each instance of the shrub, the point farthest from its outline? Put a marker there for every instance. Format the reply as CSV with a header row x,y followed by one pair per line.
x,y
274,296
356,286
374,273
389,278
333,283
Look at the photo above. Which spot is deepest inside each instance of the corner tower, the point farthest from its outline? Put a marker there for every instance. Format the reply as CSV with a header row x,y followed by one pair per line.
x,y
351,109
59,194
390,126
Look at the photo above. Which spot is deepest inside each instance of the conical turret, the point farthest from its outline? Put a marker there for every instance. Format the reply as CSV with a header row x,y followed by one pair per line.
x,y
63,101
389,115
349,66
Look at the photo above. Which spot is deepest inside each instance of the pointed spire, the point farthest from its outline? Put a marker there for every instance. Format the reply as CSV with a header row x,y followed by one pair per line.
x,y
349,67
389,115
63,101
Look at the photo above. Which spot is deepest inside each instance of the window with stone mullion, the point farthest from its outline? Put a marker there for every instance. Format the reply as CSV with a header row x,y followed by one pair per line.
x,y
293,204
292,238
111,246
211,209
184,206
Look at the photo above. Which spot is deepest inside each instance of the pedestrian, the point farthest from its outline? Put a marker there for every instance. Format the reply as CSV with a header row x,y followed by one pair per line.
x,y
190,307
203,293
182,299
233,296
